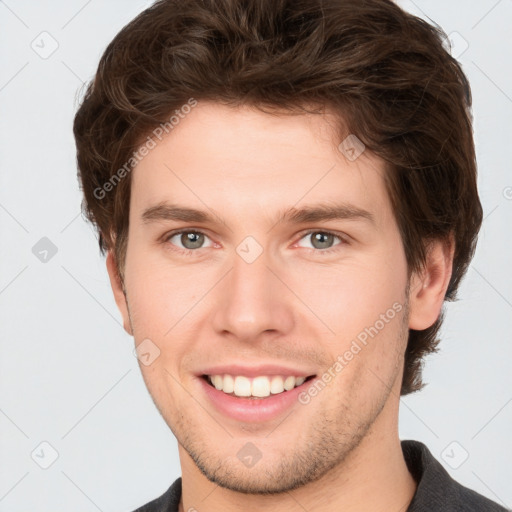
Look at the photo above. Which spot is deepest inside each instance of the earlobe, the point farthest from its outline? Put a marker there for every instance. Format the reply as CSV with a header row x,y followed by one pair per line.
x,y
117,289
428,290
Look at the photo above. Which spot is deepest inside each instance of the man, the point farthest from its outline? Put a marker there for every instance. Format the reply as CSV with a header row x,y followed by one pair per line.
x,y
286,192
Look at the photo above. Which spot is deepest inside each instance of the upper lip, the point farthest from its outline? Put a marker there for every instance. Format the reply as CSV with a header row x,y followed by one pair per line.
x,y
255,370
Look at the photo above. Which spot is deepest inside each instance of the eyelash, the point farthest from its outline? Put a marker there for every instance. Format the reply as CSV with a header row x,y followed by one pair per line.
x,y
190,252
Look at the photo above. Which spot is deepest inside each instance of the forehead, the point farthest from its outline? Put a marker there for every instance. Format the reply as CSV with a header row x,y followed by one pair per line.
x,y
241,161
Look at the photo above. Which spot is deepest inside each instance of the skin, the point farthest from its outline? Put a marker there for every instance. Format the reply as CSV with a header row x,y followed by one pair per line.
x,y
294,305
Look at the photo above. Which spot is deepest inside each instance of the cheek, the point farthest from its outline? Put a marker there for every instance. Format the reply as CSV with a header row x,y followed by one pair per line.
x,y
160,296
363,304
348,295
353,294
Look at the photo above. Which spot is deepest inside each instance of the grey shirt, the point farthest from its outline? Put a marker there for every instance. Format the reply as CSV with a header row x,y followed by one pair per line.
x,y
437,491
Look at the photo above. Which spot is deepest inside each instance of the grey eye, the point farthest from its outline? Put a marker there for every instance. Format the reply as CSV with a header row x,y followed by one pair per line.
x,y
189,240
192,240
321,239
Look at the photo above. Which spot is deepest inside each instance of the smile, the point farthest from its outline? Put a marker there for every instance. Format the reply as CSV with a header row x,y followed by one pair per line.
x,y
257,387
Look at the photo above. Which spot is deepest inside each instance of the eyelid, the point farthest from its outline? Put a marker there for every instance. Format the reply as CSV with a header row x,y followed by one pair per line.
x,y
178,231
344,239
167,236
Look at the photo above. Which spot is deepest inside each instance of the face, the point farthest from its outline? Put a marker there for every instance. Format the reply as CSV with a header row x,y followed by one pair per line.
x,y
263,287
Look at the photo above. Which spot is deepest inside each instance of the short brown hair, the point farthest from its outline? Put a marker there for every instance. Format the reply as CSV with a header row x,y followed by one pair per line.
x,y
384,71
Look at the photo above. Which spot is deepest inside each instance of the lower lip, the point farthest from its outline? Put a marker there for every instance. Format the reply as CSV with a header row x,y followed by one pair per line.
x,y
253,410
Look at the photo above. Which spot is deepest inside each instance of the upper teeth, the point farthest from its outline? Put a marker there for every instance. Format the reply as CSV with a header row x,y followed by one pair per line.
x,y
259,386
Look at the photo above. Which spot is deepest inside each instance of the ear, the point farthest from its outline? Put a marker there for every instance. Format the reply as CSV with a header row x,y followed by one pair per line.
x,y
117,288
428,289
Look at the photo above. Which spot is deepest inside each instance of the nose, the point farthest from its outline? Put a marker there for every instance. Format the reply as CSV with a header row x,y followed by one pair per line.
x,y
252,300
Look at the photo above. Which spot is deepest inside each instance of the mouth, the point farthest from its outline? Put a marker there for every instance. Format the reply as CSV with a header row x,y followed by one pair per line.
x,y
259,387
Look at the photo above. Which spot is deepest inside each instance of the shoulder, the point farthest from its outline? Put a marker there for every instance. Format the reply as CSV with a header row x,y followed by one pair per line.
x,y
167,502
437,490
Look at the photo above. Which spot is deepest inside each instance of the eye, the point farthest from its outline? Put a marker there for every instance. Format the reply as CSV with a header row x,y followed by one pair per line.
x,y
189,240
323,240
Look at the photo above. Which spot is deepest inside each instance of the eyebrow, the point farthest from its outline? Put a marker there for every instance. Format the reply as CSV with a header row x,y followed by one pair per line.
x,y
165,211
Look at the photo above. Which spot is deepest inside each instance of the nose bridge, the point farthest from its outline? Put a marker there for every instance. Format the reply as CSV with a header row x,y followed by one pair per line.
x,y
252,300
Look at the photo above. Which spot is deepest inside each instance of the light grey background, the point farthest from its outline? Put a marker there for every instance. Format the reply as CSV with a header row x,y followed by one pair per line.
x,y
68,376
